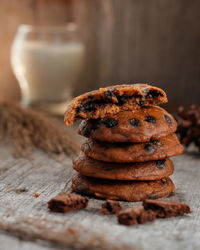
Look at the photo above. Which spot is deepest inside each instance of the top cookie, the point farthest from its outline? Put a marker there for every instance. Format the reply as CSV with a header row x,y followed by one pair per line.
x,y
111,100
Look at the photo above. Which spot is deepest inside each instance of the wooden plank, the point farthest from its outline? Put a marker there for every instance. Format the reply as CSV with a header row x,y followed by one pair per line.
x,y
28,217
11,242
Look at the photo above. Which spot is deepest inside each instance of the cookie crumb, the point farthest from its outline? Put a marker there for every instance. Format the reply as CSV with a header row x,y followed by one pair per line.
x,y
20,190
111,207
71,231
166,209
64,202
135,215
36,195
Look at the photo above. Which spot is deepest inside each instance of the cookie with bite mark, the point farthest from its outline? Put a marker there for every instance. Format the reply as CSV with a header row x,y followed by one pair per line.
x,y
111,100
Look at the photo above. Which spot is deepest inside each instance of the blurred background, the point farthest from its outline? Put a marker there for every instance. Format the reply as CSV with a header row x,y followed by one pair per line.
x,y
154,41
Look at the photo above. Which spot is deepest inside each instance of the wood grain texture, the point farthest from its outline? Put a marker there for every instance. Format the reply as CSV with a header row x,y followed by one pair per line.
x,y
28,217
153,41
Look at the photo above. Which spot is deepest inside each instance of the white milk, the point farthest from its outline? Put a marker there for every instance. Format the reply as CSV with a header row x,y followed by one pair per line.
x,y
47,71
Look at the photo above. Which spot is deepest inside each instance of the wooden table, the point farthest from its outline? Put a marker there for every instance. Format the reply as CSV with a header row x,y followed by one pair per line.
x,y
26,223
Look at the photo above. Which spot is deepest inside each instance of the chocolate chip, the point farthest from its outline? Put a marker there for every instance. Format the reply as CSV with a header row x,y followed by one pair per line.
x,y
77,109
91,96
86,132
154,93
95,123
145,107
134,122
137,96
77,117
148,147
141,102
109,94
150,119
88,107
122,99
168,119
160,163
110,123
164,181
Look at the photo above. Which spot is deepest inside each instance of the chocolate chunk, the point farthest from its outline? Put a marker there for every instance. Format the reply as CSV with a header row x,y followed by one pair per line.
x,y
111,207
154,93
77,117
134,122
135,215
95,123
166,209
150,119
137,96
148,147
88,107
164,181
141,102
110,123
67,202
160,163
109,94
168,119
86,132
91,96
78,109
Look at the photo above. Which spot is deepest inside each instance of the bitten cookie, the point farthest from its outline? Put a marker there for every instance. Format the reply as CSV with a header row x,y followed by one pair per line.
x,y
150,170
111,100
138,125
122,190
165,147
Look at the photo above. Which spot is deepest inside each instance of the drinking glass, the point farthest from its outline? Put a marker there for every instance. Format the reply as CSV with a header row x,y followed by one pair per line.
x,y
47,62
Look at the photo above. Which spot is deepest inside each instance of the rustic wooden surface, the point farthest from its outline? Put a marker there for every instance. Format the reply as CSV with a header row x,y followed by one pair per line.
x,y
27,217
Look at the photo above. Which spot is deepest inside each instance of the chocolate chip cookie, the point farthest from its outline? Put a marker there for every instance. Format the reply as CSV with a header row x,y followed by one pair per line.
x,y
149,170
111,100
122,190
137,125
165,147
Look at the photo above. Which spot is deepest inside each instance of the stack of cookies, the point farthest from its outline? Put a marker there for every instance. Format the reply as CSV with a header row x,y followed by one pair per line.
x,y
129,142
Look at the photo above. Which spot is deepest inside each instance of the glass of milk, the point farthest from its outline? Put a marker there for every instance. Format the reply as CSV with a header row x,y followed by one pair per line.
x,y
47,62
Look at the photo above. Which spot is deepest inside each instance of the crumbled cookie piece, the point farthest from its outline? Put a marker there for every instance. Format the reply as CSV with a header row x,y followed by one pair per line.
x,y
36,195
67,202
166,209
111,207
135,215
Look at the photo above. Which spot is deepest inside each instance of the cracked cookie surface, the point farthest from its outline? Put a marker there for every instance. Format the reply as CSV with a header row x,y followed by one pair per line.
x,y
111,100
